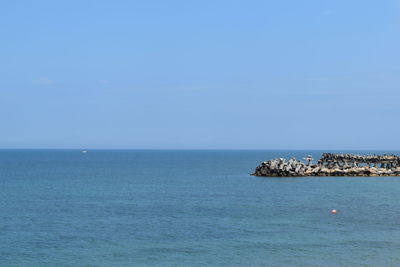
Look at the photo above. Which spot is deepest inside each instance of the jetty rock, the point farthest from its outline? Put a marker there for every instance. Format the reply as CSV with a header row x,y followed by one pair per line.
x,y
332,165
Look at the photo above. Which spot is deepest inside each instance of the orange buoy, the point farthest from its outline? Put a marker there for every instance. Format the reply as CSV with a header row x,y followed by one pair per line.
x,y
333,211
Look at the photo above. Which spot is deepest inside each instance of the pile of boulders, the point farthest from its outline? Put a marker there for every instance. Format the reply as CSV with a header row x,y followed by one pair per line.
x,y
385,161
360,158
281,167
332,165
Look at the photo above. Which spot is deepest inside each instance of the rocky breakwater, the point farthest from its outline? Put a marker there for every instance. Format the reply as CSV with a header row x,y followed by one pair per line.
x,y
332,165
281,167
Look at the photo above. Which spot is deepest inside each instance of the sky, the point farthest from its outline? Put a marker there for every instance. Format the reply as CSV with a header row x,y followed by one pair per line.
x,y
224,74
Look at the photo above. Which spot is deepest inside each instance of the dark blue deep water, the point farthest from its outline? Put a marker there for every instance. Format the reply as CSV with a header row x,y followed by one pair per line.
x,y
188,208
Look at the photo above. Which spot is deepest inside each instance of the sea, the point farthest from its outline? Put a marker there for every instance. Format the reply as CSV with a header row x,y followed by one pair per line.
x,y
189,208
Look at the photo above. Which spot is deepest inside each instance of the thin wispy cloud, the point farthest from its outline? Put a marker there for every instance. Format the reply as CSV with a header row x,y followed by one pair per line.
x,y
43,81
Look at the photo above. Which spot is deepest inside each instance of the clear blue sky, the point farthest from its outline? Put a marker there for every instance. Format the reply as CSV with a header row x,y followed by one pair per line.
x,y
200,74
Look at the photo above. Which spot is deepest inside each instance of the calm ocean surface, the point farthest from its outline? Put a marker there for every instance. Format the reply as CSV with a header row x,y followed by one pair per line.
x,y
188,208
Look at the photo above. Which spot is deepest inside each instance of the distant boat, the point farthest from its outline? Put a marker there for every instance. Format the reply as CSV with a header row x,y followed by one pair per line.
x,y
84,151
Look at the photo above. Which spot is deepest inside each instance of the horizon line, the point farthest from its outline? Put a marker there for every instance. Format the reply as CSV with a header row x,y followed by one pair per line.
x,y
209,149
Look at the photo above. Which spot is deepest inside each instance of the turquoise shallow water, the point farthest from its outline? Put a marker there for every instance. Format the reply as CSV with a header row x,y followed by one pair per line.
x,y
188,208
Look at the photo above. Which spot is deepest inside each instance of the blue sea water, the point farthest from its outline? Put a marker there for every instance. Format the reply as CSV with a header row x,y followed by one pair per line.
x,y
189,208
